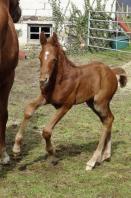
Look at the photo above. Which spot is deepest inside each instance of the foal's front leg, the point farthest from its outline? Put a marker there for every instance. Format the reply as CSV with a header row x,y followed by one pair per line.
x,y
29,110
47,131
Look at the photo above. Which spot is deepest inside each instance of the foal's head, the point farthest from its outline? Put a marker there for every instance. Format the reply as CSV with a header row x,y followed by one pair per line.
x,y
15,10
48,57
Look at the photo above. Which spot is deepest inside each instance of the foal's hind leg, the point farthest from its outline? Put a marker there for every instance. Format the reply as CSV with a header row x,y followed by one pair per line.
x,y
107,149
29,110
104,147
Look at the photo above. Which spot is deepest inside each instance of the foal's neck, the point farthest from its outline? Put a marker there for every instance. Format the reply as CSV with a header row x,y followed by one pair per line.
x,y
64,64
62,70
64,67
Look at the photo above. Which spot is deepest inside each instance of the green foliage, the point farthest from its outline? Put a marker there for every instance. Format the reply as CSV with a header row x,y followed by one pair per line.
x,y
102,24
78,25
58,16
77,31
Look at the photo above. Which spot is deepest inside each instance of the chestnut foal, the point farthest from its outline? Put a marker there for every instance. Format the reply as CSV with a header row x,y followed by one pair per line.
x,y
9,12
63,85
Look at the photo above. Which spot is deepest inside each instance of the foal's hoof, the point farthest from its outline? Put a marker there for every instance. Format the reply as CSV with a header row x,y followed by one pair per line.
x,y
46,156
89,168
1,168
51,151
106,157
16,150
55,160
91,165
22,168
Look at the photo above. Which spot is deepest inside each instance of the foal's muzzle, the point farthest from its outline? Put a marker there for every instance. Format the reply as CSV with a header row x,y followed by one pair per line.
x,y
44,81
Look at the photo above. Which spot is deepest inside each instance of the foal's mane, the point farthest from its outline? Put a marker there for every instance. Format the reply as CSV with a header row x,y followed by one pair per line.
x,y
64,57
62,54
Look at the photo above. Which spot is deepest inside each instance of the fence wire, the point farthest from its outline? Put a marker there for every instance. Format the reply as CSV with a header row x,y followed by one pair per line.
x,y
118,35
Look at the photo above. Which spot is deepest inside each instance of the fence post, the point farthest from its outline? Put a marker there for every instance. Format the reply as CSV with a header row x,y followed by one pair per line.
x,y
127,10
88,34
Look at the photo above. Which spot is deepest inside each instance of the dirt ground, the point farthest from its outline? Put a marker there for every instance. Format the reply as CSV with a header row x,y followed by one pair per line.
x,y
75,137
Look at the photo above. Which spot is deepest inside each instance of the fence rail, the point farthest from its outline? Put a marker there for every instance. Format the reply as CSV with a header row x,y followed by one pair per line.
x,y
115,26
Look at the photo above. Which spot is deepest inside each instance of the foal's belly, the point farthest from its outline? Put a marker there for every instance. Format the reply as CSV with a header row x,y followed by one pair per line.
x,y
83,96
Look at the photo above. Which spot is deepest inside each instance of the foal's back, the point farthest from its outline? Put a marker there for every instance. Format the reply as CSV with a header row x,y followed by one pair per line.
x,y
94,78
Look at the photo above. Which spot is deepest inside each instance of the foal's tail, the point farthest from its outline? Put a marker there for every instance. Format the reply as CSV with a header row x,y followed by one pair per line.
x,y
121,74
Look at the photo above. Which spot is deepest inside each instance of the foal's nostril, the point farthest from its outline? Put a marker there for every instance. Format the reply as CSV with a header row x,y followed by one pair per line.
x,y
44,82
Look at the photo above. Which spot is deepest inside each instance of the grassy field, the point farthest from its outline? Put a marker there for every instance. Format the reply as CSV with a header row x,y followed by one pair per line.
x,y
75,138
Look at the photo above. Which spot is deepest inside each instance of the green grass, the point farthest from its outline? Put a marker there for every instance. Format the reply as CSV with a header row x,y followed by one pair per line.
x,y
75,138
109,57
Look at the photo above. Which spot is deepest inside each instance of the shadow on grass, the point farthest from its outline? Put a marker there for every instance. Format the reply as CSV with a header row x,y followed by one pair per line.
x,y
62,151
31,141
66,151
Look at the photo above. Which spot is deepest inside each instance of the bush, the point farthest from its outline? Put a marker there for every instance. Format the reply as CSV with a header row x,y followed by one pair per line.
x,y
76,30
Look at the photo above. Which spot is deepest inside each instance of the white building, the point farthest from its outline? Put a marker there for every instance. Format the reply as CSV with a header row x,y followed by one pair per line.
x,y
37,17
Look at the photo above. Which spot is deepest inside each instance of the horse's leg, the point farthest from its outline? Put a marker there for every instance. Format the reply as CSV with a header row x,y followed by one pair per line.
x,y
29,110
106,116
4,158
47,131
4,95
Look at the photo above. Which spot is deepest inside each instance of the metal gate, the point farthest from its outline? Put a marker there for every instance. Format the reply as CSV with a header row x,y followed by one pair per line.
x,y
117,34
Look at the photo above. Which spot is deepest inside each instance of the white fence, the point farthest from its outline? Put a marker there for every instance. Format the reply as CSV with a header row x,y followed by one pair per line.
x,y
118,24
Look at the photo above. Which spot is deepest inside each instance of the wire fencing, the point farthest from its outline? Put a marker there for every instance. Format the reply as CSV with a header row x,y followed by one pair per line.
x,y
117,34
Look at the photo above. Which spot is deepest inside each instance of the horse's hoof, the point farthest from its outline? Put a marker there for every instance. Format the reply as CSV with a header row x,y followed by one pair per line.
x,y
5,159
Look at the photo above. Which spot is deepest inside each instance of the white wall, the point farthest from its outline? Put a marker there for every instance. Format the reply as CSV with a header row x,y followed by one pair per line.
x,y
38,8
23,34
29,7
33,4
43,8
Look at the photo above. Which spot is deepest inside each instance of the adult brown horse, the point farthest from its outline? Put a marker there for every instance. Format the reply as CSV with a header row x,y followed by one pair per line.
x,y
64,85
9,13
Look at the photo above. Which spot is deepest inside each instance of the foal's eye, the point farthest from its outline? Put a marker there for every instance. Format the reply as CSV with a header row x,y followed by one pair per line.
x,y
54,60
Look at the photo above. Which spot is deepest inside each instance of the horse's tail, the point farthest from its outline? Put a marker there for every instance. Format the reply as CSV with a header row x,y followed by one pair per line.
x,y
121,76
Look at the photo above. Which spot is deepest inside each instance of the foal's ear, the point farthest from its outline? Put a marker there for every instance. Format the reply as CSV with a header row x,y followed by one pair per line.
x,y
43,39
54,39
